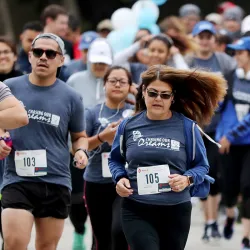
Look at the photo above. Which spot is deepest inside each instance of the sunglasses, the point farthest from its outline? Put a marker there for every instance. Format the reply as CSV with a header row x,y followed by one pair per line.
x,y
50,54
154,94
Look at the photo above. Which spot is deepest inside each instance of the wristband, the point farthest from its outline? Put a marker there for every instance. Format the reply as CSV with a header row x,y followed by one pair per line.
x,y
84,150
98,137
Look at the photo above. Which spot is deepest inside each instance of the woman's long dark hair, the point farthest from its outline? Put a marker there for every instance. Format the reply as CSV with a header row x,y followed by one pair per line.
x,y
197,93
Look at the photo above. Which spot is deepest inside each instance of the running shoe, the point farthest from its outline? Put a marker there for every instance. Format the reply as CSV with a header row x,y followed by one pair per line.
x,y
205,236
215,234
245,244
229,228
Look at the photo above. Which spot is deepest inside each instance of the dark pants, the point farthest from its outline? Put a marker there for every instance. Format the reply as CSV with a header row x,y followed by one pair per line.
x,y
236,178
151,227
104,208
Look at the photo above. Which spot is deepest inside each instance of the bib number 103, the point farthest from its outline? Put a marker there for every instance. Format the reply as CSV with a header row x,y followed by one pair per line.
x,y
152,178
29,161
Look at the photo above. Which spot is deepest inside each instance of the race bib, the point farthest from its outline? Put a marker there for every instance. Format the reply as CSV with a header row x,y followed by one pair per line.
x,y
31,163
153,179
105,166
241,111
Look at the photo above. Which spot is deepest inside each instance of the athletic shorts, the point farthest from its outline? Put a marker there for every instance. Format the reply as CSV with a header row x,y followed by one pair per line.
x,y
41,199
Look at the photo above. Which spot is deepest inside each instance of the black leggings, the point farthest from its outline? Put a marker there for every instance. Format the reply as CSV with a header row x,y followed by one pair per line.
x,y
151,227
104,206
214,163
78,212
236,178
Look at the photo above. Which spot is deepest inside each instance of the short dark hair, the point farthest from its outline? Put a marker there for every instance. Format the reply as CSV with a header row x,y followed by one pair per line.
x,y
74,23
52,11
105,78
223,39
33,25
10,43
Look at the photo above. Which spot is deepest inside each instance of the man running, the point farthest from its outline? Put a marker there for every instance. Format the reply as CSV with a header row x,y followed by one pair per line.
x,y
37,183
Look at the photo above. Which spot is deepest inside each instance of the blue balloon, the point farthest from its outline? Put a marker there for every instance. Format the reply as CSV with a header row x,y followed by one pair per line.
x,y
121,39
146,18
155,29
159,2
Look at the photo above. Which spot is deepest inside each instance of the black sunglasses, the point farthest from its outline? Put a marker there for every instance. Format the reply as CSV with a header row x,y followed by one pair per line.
x,y
155,94
50,54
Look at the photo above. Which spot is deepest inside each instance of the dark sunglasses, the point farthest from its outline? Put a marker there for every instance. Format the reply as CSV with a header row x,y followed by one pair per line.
x,y
50,54
155,94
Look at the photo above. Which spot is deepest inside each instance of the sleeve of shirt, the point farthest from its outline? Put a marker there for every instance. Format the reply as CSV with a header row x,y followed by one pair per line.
x,y
116,161
200,166
4,91
242,129
77,119
90,121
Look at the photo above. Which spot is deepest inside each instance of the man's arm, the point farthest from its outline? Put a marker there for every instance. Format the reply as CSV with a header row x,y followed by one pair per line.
x,y
12,113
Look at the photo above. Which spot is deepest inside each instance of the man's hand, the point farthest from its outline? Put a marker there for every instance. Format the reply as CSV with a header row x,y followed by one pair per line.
x,y
225,145
4,149
80,159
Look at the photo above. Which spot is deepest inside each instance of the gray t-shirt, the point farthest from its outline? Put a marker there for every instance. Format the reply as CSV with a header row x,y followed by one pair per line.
x,y
151,143
4,91
53,111
97,119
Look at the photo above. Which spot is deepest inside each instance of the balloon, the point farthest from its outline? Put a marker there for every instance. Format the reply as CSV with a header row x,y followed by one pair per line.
x,y
121,39
155,29
123,17
146,18
145,4
159,2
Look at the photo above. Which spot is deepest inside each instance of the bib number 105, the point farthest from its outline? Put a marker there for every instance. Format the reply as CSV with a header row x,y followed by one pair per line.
x,y
152,178
29,161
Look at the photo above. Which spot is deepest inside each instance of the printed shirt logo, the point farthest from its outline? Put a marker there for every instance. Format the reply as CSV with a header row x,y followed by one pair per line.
x,y
103,121
136,135
163,143
44,117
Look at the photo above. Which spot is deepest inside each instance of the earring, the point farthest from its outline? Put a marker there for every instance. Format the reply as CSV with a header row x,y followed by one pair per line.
x,y
143,97
173,102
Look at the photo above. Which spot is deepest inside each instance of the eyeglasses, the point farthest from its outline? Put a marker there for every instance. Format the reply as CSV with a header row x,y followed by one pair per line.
x,y
50,54
5,52
114,81
155,94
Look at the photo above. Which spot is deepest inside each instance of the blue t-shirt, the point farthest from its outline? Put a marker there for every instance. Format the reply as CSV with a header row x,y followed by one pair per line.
x,y
97,119
53,111
211,65
150,143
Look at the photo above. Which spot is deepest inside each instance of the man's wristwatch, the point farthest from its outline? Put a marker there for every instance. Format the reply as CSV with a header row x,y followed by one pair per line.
x,y
190,181
84,150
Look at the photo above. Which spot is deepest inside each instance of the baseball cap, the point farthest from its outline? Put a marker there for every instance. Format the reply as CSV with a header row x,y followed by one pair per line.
x,y
245,25
105,25
86,39
189,9
242,44
203,26
100,52
224,6
214,18
54,37
235,13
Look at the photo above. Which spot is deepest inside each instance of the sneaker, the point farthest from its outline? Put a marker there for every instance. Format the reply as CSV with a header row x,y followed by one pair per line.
x,y
205,236
245,244
215,234
228,228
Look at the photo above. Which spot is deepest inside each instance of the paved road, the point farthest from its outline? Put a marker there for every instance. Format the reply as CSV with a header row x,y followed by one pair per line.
x,y
194,242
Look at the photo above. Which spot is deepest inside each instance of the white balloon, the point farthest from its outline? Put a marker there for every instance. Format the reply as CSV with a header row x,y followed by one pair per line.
x,y
136,8
122,18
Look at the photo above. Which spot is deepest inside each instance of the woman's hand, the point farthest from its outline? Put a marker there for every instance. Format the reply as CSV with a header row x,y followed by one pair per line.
x,y
123,187
108,134
225,145
178,182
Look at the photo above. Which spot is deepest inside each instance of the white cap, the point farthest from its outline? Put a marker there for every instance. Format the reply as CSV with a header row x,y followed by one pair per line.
x,y
245,25
214,18
100,52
